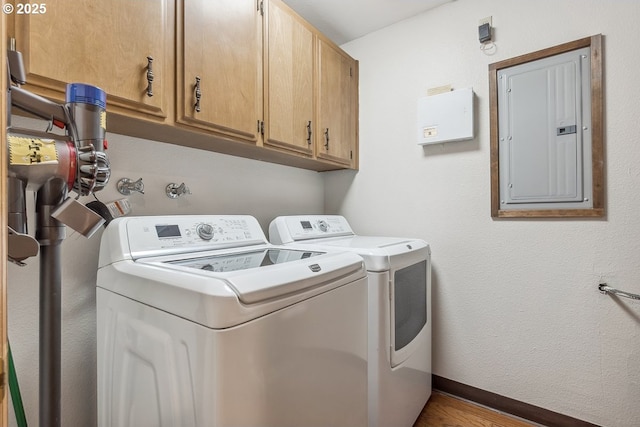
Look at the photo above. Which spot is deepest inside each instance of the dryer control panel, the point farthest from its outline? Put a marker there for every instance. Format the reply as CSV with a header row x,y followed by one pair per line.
x,y
303,227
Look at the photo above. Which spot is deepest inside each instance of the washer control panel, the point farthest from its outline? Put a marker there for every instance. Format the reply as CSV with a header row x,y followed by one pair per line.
x,y
289,229
192,232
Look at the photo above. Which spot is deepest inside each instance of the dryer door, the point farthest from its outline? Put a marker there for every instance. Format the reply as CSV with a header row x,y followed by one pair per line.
x,y
409,304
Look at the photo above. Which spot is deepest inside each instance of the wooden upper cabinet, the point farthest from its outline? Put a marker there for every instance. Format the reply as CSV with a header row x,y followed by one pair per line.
x,y
244,77
220,67
336,135
289,91
103,43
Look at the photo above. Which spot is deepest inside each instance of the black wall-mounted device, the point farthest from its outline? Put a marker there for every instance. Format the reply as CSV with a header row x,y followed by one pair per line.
x,y
484,33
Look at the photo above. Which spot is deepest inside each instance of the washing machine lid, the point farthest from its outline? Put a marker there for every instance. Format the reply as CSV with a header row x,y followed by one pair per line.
x,y
234,295
264,273
220,280
226,262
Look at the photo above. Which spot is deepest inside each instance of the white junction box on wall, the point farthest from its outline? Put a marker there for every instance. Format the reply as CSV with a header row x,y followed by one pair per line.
x,y
445,117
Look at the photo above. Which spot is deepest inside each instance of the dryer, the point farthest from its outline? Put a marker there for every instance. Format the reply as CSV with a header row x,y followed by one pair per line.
x,y
202,322
399,301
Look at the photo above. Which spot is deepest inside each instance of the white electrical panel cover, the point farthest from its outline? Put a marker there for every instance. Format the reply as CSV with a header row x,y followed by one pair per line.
x,y
445,117
545,146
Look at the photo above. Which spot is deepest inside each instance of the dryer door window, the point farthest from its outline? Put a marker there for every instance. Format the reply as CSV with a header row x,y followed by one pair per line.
x,y
409,309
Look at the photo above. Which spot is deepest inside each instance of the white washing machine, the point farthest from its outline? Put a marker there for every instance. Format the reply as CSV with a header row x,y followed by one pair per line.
x,y
202,322
399,276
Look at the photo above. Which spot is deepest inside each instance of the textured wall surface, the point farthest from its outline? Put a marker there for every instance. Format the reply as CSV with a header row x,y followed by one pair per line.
x,y
220,185
515,303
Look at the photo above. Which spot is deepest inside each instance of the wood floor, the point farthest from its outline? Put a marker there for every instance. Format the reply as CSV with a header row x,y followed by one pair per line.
x,y
446,411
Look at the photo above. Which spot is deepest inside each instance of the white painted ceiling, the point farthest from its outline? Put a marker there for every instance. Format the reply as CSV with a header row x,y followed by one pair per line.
x,y
346,20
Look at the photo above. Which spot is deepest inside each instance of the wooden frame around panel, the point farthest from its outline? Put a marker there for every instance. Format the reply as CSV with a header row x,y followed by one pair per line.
x,y
597,130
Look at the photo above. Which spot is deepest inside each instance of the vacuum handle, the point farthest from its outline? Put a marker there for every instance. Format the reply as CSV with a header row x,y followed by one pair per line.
x,y
39,106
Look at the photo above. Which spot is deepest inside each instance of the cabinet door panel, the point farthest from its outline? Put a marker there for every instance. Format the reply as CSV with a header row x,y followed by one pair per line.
x,y
222,45
289,92
103,43
336,134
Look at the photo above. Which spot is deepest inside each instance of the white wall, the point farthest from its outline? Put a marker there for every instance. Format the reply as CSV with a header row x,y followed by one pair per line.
x,y
220,185
515,303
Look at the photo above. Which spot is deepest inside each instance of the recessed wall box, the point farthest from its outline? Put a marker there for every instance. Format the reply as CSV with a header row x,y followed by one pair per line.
x,y
445,117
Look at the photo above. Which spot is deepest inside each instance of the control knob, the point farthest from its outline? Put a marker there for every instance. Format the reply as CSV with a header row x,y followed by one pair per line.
x,y
205,231
322,225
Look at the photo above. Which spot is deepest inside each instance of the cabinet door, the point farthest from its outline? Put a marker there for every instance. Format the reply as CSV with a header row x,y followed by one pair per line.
x,y
289,80
220,67
336,133
104,43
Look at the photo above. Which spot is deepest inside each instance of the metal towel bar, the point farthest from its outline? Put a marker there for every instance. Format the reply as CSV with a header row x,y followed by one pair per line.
x,y
609,290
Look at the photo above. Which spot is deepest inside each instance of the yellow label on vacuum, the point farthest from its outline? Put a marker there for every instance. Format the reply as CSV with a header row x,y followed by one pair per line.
x,y
31,151
103,120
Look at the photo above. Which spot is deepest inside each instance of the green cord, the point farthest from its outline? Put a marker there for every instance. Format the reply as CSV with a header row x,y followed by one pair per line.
x,y
14,388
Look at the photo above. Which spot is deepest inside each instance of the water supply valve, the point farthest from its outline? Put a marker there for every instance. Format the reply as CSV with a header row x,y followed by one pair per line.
x,y
126,186
174,190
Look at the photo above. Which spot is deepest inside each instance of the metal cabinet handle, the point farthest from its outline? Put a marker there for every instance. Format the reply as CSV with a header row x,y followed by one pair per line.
x,y
326,138
309,132
198,94
149,76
